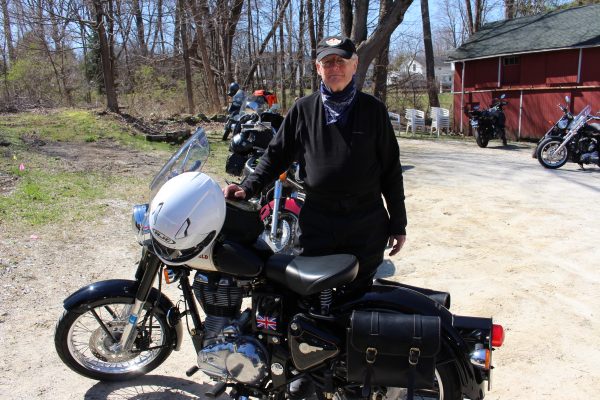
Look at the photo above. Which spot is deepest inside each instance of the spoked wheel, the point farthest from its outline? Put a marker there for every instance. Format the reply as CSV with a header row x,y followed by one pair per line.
x,y
548,155
481,139
86,341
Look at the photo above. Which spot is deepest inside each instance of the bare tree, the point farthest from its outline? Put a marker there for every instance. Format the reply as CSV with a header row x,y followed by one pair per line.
x,y
107,65
7,31
380,69
370,47
429,60
266,42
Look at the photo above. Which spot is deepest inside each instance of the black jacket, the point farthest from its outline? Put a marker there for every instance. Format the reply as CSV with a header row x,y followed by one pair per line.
x,y
358,158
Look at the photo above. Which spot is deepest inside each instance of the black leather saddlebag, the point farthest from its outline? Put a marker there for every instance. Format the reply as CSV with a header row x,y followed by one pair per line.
x,y
396,350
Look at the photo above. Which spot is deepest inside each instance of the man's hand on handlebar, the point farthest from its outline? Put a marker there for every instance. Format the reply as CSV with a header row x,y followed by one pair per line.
x,y
234,192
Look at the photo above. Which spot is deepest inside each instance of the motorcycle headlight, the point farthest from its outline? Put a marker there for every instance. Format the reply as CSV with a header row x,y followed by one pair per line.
x,y
562,124
139,222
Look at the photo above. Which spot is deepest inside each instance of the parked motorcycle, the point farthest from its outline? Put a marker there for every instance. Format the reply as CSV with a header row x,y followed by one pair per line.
x,y
560,127
300,323
280,205
238,97
580,145
260,102
489,124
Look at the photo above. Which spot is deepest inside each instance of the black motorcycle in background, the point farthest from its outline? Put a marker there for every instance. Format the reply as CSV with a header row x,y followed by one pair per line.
x,y
238,96
489,124
580,145
560,127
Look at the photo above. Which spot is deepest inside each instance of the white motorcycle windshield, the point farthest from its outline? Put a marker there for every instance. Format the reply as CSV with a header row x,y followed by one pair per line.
x,y
189,158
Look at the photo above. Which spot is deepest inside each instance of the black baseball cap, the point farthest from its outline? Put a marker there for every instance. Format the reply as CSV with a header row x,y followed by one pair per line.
x,y
340,45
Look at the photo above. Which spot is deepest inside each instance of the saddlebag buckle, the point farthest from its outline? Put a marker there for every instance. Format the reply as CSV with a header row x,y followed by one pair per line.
x,y
371,355
413,355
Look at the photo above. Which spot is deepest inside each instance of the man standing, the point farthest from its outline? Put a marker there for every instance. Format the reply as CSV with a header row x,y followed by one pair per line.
x,y
348,155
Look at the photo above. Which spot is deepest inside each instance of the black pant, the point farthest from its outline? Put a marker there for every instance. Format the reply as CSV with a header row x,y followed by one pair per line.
x,y
359,227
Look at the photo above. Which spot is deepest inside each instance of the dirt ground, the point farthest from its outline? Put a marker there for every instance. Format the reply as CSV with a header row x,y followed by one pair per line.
x,y
506,237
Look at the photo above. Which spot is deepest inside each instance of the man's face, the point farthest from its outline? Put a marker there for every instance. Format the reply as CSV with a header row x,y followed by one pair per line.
x,y
336,71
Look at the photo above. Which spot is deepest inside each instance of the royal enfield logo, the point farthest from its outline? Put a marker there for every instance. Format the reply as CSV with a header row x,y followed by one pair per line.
x,y
333,42
163,236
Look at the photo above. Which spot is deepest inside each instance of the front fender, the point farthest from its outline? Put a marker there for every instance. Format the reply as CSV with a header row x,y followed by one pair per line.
x,y
408,301
84,298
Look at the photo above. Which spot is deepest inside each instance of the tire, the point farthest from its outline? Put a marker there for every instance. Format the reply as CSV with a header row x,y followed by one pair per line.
x,y
547,158
82,344
482,140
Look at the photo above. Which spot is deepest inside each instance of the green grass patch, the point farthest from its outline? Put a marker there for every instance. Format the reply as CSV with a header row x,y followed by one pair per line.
x,y
72,125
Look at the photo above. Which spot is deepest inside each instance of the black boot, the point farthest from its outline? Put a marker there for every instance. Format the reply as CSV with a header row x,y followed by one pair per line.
x,y
301,388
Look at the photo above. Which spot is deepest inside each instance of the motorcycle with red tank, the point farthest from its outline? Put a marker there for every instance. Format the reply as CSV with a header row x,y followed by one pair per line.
x,y
298,321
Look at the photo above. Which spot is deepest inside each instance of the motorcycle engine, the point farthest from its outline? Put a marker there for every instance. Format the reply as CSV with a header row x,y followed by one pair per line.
x,y
227,353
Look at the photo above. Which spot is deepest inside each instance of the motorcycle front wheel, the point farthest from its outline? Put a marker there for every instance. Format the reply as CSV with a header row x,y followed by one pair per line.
x,y
547,155
481,139
83,342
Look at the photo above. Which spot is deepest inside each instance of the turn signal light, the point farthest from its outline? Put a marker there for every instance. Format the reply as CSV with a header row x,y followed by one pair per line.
x,y
482,358
497,335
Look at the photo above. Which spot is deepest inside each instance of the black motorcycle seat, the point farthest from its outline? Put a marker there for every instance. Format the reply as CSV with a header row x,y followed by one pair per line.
x,y
310,275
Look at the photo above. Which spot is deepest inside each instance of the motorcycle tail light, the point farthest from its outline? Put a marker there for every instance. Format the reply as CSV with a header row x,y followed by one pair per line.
x,y
497,335
482,358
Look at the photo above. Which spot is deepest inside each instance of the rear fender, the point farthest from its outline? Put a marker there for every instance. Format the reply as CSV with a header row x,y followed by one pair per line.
x,y
455,350
84,298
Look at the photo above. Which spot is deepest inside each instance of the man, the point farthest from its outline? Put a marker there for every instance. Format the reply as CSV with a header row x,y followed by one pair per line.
x,y
348,155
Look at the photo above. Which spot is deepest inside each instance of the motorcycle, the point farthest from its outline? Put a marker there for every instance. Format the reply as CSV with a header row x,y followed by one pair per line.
x,y
299,323
238,97
580,145
251,135
560,128
489,124
261,102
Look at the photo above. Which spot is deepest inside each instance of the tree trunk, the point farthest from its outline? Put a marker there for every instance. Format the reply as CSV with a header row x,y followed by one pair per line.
x,y
346,17
380,70
310,16
7,30
282,85
186,61
509,9
200,15
429,61
470,24
265,42
369,48
300,65
139,25
359,23
107,70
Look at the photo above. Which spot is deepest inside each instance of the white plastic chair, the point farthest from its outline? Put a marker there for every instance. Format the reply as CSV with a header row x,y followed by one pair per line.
x,y
440,119
415,119
395,120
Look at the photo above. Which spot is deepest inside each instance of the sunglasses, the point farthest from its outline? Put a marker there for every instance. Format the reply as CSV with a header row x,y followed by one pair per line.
x,y
337,62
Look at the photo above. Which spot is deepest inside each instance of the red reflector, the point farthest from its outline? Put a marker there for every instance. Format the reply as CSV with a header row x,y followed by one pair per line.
x,y
497,335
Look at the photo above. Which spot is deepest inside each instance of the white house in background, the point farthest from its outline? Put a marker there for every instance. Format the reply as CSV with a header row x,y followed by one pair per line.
x,y
411,72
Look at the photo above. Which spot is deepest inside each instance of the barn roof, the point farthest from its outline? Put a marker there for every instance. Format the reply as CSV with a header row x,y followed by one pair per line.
x,y
560,29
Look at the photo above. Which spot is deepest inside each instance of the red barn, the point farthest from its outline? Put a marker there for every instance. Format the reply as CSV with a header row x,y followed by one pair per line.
x,y
536,61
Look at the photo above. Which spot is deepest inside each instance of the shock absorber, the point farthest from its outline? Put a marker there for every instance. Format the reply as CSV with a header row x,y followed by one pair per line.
x,y
326,298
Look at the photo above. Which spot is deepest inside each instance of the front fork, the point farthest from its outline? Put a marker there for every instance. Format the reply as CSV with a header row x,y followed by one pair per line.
x,y
146,273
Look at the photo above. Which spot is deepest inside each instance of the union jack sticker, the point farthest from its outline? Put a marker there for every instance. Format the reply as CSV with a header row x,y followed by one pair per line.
x,y
266,322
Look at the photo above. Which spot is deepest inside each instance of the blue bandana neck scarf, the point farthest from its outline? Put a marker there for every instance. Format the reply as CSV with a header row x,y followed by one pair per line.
x,y
337,104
